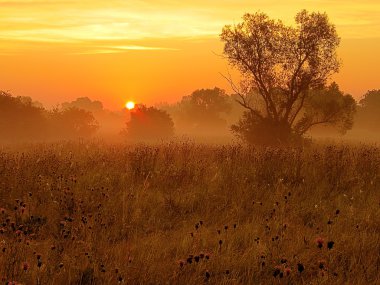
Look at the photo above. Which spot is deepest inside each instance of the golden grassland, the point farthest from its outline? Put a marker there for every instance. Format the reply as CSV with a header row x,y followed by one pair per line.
x,y
186,213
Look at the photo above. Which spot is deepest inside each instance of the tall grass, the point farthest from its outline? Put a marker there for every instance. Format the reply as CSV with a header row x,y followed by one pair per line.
x,y
185,213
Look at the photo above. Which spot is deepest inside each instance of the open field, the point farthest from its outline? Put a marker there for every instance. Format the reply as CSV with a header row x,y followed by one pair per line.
x,y
184,213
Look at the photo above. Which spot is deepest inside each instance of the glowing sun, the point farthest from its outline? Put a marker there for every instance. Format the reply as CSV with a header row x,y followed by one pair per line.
x,y
130,105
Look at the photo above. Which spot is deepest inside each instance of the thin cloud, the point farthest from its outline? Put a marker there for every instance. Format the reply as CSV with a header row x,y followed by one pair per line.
x,y
124,48
134,47
88,20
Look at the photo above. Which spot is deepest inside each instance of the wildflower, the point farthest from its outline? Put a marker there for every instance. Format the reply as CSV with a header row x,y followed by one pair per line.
x,y
196,258
321,264
277,271
300,267
330,244
181,263
320,241
25,266
287,271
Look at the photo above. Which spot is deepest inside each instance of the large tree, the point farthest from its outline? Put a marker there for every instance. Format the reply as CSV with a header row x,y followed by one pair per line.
x,y
72,123
280,66
368,116
21,118
203,110
149,123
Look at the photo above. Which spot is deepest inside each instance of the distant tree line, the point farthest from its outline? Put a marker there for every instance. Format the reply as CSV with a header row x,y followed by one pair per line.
x,y
22,119
203,113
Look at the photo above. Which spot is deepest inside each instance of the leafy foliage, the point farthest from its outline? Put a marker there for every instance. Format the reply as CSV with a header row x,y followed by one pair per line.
x,y
282,64
73,123
149,123
327,106
368,111
84,103
202,111
22,119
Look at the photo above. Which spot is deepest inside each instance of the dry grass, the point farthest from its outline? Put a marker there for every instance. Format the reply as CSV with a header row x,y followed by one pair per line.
x,y
183,213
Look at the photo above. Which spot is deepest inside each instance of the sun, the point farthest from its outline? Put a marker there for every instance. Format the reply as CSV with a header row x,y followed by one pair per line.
x,y
130,105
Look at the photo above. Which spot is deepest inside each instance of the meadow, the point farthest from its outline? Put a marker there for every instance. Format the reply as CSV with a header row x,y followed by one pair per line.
x,y
189,213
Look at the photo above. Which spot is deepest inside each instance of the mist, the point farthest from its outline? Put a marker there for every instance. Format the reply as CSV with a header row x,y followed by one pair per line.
x,y
205,115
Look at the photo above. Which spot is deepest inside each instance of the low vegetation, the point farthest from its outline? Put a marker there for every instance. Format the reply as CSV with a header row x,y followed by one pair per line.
x,y
184,213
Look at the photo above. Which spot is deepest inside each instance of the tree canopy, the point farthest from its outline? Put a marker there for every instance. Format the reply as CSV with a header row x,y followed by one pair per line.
x,y
72,123
280,66
203,110
149,123
368,115
84,103
22,119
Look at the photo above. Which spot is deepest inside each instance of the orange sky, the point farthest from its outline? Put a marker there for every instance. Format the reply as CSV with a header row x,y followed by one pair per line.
x,y
154,51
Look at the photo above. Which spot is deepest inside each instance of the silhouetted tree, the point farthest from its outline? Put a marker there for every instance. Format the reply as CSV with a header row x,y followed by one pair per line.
x,y
327,106
202,111
84,103
368,116
110,122
149,123
280,65
72,123
20,118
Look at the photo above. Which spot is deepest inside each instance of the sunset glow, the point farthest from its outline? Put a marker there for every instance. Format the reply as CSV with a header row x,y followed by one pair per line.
x,y
61,50
130,105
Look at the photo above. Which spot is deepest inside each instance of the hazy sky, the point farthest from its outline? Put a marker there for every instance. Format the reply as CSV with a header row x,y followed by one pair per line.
x,y
154,51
